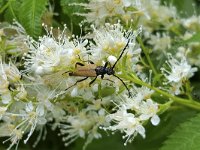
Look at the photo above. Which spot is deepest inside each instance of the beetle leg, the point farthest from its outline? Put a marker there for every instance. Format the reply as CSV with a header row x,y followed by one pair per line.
x,y
102,76
91,62
106,64
129,93
76,83
66,72
80,64
93,80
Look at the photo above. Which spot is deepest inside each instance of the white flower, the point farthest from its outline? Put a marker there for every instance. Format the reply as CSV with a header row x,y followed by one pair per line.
x,y
15,39
15,136
4,83
126,123
149,109
112,59
81,124
182,52
49,54
12,72
100,10
74,92
32,117
138,95
175,88
156,14
192,23
179,70
160,42
22,93
110,40
6,97
2,111
82,89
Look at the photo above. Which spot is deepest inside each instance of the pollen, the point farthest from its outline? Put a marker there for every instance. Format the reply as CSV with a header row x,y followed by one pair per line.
x,y
106,47
4,85
120,45
117,1
73,60
77,51
112,49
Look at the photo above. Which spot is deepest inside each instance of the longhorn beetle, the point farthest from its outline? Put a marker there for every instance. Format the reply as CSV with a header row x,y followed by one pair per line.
x,y
91,70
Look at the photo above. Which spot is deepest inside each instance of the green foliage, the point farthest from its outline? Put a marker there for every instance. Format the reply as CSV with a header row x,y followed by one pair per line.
x,y
30,15
186,137
185,7
12,10
194,38
27,12
155,135
71,9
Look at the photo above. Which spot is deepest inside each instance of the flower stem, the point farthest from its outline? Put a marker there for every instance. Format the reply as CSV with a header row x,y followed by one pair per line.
x,y
192,104
147,55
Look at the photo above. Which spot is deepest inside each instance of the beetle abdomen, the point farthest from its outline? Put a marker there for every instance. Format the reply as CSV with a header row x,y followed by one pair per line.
x,y
84,73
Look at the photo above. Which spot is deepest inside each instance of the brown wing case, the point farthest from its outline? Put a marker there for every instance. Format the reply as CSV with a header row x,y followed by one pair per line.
x,y
85,71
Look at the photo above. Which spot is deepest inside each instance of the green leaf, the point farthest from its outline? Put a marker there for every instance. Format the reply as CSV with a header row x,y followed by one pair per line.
x,y
70,10
3,6
186,137
107,142
12,10
194,38
156,135
185,7
30,16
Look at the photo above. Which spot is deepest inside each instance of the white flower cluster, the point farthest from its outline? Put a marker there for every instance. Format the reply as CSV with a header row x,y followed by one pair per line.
x,y
9,74
48,54
132,112
56,81
100,10
37,92
177,72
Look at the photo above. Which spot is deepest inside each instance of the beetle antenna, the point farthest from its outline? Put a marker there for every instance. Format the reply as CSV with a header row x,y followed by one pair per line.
x,y
129,93
121,54
76,83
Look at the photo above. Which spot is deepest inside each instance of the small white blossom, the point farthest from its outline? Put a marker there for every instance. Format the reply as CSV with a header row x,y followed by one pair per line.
x,y
32,116
110,40
2,111
157,14
80,124
126,123
99,10
16,39
160,42
149,109
138,95
175,88
8,74
178,70
192,23
22,93
112,59
50,54
15,136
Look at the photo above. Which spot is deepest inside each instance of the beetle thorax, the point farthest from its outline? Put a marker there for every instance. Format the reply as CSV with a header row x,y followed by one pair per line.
x,y
110,71
100,70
